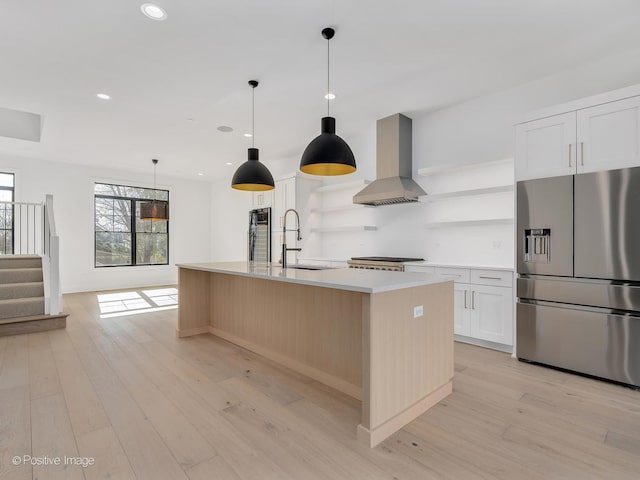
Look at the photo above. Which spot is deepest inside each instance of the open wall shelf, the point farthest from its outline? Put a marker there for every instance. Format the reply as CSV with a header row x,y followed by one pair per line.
x,y
351,228
471,223
467,193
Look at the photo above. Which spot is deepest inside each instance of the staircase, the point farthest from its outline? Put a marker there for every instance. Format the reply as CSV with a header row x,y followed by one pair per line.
x,y
22,301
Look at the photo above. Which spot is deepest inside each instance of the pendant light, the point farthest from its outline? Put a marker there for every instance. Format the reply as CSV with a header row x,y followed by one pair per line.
x,y
328,154
154,210
253,175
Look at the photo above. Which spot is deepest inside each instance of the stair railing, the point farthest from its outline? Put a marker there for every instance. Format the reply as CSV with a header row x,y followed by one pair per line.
x,y
51,258
20,228
30,229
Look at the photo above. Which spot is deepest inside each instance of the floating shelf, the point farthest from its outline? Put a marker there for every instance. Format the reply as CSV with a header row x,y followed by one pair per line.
x,y
340,208
342,186
471,223
352,228
428,171
470,192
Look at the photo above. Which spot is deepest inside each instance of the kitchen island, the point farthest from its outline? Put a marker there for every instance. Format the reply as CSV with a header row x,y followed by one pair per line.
x,y
385,338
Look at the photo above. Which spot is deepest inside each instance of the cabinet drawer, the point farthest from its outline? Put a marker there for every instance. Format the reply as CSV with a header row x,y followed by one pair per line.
x,y
419,269
499,278
460,275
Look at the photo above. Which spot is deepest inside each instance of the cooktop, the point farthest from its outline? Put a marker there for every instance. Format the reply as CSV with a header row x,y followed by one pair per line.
x,y
388,259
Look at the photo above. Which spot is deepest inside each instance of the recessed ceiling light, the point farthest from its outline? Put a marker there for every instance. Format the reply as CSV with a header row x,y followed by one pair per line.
x,y
248,135
200,174
103,96
228,163
225,129
154,12
330,96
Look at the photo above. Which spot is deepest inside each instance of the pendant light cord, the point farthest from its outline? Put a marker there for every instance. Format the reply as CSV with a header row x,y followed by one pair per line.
x,y
328,66
155,167
253,118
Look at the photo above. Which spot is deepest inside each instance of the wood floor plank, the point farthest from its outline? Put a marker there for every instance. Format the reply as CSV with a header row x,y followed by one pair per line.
x,y
187,445
215,468
15,409
505,419
248,463
149,456
85,410
110,460
43,375
53,438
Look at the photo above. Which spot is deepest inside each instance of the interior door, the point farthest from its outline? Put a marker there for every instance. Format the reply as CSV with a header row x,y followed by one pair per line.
x,y
609,136
607,224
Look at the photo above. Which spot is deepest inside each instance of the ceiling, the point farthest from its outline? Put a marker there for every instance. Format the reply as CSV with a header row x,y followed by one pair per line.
x,y
174,82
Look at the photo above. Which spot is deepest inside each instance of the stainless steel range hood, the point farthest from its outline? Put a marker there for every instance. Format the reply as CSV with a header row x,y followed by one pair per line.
x,y
393,182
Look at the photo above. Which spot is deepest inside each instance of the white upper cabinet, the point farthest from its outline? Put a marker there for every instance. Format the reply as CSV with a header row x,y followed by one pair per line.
x,y
546,147
609,136
587,135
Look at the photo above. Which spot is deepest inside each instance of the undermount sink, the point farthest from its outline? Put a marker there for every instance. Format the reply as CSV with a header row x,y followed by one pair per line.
x,y
309,267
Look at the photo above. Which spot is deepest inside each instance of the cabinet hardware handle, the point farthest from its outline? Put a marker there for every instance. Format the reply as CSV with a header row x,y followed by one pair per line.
x,y
582,154
473,300
570,145
465,299
492,278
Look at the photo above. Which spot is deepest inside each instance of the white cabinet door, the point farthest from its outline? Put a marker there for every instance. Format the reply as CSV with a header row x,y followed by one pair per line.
x,y
609,136
262,199
546,147
491,314
461,299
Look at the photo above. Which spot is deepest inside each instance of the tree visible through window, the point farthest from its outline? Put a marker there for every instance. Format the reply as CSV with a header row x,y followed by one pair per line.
x,y
121,237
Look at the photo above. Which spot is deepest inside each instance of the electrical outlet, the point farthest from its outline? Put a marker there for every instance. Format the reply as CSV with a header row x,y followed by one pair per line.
x,y
418,311
497,244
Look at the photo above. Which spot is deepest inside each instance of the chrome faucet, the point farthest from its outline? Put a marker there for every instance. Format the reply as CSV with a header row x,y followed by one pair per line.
x,y
283,257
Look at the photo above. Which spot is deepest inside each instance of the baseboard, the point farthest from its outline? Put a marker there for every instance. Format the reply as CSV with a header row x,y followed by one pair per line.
x,y
188,332
383,431
33,324
484,343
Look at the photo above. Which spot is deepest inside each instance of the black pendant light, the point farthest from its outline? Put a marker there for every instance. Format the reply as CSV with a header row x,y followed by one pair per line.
x,y
253,175
328,154
154,210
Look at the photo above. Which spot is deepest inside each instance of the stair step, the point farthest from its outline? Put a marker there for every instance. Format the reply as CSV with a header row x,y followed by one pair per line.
x,y
21,307
20,275
20,261
32,324
21,290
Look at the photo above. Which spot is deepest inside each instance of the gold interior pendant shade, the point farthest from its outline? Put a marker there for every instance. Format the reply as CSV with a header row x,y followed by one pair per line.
x,y
328,154
253,176
154,210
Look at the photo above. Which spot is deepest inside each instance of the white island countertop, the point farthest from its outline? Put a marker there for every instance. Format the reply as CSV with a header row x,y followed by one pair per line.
x,y
353,279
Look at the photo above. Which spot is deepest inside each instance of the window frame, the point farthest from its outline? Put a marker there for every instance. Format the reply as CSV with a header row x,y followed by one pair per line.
x,y
132,201
13,212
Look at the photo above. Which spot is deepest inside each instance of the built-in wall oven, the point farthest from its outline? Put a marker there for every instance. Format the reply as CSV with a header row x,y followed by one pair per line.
x,y
578,260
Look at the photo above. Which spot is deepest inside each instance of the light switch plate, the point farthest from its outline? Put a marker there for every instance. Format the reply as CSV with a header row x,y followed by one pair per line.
x,y
418,311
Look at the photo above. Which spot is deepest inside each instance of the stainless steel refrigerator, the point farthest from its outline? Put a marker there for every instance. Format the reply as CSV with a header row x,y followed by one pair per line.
x,y
578,260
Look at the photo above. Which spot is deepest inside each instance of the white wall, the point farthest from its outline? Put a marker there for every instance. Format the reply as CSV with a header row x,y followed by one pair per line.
x,y
478,130
72,190
229,221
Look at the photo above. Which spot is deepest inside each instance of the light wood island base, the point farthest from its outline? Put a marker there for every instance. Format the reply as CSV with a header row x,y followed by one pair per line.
x,y
367,345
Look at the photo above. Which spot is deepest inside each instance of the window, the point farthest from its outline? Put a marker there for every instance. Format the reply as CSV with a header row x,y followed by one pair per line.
x,y
7,186
121,237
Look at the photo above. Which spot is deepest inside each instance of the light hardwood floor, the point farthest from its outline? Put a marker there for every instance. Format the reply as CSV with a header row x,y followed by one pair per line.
x,y
144,404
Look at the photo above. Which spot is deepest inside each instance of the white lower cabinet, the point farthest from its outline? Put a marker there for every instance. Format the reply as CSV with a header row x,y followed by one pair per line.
x,y
483,302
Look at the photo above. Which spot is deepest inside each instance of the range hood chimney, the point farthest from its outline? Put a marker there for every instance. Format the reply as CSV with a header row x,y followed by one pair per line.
x,y
393,182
